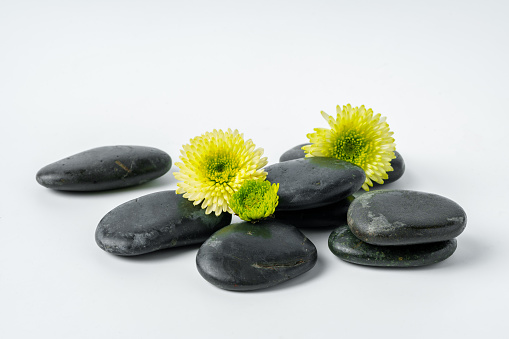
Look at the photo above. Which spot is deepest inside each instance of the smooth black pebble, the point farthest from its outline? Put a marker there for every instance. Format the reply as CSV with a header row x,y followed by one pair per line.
x,y
398,164
105,168
332,215
294,153
314,182
348,247
154,222
400,217
246,256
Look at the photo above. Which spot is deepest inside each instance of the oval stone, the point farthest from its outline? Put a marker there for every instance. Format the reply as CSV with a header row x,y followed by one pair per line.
x,y
246,256
332,215
398,164
348,247
314,182
154,222
294,153
105,168
400,217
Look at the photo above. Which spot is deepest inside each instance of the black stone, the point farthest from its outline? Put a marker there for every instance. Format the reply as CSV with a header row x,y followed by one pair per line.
x,y
398,164
246,256
314,182
154,222
105,168
398,217
294,153
332,215
348,247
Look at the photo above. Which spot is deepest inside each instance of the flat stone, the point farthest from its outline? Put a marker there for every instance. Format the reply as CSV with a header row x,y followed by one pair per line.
x,y
398,164
154,222
246,256
294,153
105,168
348,247
332,215
314,182
399,217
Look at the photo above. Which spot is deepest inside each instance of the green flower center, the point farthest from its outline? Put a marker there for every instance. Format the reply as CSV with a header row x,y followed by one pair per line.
x,y
352,147
220,168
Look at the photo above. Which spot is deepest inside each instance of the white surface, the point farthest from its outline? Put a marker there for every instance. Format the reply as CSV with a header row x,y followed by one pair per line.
x,y
81,74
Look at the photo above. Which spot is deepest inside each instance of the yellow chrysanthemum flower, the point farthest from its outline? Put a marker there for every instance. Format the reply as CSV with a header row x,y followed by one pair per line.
x,y
214,166
255,200
356,136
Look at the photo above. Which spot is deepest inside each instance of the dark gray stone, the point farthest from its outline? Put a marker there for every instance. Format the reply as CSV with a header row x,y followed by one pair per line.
x,y
294,153
399,217
314,182
154,222
332,215
105,168
246,256
398,164
348,247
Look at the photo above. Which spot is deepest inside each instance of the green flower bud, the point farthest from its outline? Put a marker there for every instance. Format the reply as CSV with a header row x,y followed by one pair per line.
x,y
255,199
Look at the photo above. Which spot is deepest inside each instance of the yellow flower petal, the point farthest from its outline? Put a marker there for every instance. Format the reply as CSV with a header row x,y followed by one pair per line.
x,y
356,136
214,165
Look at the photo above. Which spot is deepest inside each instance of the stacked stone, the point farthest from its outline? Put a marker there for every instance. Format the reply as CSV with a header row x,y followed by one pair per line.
x,y
398,164
399,228
330,214
391,228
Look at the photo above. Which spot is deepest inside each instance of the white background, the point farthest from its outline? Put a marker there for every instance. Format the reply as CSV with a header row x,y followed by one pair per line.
x,y
81,74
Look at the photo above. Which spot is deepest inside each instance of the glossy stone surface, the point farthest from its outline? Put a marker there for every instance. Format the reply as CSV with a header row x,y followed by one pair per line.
x,y
105,168
154,222
399,217
398,164
332,215
348,247
245,256
293,153
314,182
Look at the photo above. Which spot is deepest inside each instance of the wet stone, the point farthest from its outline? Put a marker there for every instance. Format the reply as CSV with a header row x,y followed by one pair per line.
x,y
349,248
399,217
105,168
398,164
314,182
246,256
332,215
154,222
